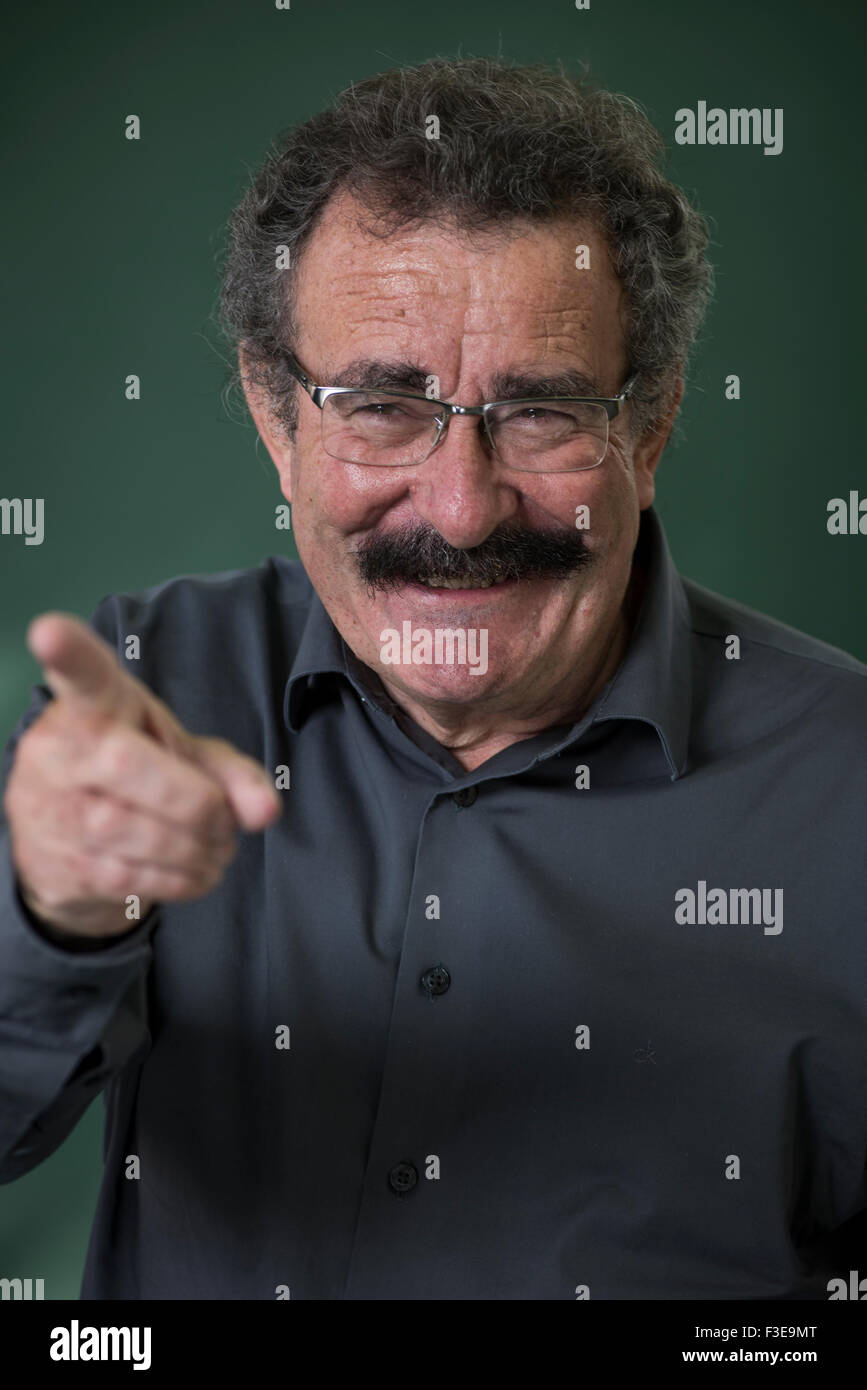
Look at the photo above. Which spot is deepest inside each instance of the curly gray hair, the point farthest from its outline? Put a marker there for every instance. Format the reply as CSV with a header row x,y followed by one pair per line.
x,y
516,142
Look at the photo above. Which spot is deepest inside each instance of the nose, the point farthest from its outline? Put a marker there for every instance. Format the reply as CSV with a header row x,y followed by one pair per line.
x,y
461,489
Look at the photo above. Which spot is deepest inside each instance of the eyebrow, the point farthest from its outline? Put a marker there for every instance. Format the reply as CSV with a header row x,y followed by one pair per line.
x,y
368,374
569,382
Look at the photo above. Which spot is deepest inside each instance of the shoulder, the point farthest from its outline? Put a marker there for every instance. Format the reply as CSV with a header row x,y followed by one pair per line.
x,y
217,648
715,616
775,675
204,608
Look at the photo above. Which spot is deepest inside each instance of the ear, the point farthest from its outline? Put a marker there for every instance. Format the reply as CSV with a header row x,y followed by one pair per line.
x,y
275,440
647,451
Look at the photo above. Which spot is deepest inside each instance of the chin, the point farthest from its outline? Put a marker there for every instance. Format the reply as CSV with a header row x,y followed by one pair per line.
x,y
452,686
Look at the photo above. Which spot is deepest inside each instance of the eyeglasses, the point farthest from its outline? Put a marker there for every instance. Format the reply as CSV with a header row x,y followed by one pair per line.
x,y
396,429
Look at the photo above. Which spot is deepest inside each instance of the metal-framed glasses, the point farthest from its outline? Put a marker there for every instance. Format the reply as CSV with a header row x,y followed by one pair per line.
x,y
396,429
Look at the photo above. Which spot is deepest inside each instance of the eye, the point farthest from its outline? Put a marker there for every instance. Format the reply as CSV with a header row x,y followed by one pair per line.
x,y
537,414
374,408
555,419
381,409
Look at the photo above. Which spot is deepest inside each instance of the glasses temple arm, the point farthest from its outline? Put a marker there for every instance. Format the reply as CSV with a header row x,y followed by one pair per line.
x,y
300,376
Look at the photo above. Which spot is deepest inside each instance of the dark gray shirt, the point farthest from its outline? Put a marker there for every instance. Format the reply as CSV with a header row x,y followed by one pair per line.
x,y
526,1032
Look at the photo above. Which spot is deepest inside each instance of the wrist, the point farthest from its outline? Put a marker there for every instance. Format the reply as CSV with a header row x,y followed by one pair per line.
x,y
73,933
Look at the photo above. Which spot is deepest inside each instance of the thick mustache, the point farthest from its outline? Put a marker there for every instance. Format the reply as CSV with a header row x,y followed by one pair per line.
x,y
412,554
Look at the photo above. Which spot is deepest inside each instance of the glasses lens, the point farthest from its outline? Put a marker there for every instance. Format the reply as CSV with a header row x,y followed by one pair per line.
x,y
380,428
550,435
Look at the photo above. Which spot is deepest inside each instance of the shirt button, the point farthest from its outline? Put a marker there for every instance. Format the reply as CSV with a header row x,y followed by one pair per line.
x,y
403,1178
436,980
466,796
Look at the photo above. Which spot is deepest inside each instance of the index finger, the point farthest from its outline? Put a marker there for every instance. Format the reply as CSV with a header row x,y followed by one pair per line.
x,y
133,768
79,666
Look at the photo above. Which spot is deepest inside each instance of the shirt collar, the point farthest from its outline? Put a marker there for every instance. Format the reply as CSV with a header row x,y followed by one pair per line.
x,y
652,683
321,652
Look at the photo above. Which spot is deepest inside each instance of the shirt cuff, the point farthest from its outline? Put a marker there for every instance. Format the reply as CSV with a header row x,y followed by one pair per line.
x,y
71,944
35,973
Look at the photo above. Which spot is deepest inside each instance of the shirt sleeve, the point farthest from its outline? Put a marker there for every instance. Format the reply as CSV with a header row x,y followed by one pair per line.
x,y
71,1015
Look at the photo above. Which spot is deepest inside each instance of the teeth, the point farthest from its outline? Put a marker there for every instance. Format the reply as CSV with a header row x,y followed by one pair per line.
x,y
436,581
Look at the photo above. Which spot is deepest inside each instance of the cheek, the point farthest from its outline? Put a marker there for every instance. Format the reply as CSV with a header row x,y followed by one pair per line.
x,y
595,501
616,496
330,495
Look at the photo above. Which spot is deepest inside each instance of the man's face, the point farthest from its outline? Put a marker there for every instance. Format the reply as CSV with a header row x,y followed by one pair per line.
x,y
465,309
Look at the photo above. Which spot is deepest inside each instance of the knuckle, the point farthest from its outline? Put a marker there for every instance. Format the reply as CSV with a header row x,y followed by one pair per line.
x,y
103,819
179,856
64,816
207,808
117,757
112,877
28,758
152,841
26,810
64,882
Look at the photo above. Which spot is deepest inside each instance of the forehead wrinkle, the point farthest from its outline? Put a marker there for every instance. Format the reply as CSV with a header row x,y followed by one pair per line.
x,y
384,285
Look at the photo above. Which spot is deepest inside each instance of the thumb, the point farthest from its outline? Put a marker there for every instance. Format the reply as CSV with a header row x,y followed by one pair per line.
x,y
248,789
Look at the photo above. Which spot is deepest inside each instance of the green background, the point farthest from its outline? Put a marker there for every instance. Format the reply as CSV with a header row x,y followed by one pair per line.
x,y
109,267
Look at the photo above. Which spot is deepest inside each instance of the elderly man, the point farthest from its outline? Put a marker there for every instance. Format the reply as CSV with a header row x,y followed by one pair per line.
x,y
539,972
